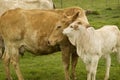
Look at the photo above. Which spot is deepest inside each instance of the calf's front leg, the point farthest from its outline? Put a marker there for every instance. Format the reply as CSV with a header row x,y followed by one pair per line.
x,y
108,64
91,68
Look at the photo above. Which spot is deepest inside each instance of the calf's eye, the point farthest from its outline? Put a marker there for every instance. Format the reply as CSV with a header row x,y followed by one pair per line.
x,y
71,26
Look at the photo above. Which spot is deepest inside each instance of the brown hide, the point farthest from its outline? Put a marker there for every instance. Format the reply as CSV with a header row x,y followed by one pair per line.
x,y
25,4
29,28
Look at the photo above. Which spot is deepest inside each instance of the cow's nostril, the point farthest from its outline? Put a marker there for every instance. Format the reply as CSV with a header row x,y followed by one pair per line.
x,y
48,42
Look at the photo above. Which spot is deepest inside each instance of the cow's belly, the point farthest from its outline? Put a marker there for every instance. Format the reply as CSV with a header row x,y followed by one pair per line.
x,y
43,50
39,46
47,50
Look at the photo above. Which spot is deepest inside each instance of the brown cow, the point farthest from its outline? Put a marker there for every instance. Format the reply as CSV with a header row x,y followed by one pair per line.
x,y
25,4
29,30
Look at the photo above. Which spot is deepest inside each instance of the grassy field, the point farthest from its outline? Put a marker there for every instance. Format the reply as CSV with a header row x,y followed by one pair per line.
x,y
50,67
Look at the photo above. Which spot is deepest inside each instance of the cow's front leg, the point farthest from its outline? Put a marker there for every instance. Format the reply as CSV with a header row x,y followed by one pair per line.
x,y
15,62
74,63
66,61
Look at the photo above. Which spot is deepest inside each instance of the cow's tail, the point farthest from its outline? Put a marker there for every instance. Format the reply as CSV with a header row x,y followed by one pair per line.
x,y
2,47
118,44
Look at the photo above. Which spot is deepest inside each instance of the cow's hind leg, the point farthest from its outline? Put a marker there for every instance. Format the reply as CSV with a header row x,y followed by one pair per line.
x,y
74,63
15,61
6,61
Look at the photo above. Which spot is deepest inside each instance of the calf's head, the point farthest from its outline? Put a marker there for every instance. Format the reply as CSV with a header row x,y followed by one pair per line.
x,y
73,31
57,36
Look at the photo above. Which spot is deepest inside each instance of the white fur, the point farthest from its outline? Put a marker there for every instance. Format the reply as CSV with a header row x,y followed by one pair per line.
x,y
25,4
91,44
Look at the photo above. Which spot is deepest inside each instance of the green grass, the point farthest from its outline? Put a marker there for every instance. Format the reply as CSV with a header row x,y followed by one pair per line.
x,y
50,67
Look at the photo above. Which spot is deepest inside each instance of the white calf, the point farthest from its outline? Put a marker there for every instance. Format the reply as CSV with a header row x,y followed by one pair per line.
x,y
91,44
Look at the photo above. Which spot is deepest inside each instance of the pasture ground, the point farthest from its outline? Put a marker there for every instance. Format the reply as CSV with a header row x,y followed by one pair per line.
x,y
50,67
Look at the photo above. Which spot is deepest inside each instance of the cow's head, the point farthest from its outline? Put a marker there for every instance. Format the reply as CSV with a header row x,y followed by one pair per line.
x,y
57,36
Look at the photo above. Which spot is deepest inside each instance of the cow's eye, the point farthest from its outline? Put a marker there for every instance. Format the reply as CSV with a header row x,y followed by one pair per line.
x,y
78,22
71,26
58,27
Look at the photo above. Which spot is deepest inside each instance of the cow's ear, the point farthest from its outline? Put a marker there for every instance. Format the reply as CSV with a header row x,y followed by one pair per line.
x,y
66,19
75,16
65,16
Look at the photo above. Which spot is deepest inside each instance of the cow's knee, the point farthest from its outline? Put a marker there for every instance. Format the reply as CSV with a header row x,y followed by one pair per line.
x,y
6,58
14,57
